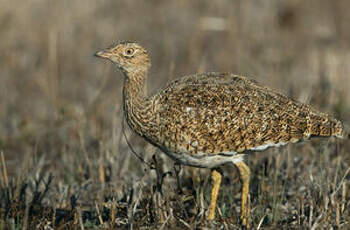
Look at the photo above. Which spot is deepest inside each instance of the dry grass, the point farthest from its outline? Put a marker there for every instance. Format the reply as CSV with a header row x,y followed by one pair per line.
x,y
65,161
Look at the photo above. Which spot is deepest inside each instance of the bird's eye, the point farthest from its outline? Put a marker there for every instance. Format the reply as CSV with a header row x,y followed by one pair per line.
x,y
129,52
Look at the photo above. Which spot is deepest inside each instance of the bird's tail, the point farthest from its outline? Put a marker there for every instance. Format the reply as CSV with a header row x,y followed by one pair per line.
x,y
323,125
339,131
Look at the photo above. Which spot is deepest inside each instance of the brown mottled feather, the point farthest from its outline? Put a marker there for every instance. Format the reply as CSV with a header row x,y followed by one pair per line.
x,y
220,112
199,116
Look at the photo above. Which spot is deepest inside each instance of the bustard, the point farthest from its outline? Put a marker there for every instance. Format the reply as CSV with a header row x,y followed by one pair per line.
x,y
210,119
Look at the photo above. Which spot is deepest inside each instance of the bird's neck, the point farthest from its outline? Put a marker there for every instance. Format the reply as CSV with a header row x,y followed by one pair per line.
x,y
137,109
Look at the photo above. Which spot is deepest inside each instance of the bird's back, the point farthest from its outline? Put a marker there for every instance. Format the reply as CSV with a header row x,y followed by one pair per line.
x,y
221,113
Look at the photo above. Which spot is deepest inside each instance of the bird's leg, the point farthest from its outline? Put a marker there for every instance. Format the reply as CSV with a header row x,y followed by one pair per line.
x,y
216,177
244,174
196,182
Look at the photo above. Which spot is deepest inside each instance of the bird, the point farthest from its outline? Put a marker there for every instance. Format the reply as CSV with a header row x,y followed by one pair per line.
x,y
207,120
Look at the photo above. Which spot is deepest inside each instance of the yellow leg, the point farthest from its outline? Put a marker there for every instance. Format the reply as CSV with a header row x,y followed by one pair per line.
x,y
244,174
216,181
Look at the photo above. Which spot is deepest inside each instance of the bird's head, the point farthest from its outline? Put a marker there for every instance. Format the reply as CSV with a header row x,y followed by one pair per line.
x,y
128,56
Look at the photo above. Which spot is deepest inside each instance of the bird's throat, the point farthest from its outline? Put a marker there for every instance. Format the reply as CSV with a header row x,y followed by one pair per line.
x,y
137,108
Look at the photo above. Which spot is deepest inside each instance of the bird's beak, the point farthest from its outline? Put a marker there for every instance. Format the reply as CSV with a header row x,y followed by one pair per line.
x,y
103,54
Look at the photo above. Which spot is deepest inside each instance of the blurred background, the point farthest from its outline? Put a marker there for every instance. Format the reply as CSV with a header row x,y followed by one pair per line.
x,y
60,108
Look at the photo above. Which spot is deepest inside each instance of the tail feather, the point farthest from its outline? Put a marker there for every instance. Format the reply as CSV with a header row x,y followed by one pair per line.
x,y
325,126
339,131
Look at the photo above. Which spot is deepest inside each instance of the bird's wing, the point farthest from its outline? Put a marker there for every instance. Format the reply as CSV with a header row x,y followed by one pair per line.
x,y
220,113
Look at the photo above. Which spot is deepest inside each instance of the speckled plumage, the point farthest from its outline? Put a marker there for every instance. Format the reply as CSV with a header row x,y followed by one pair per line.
x,y
206,120
214,113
